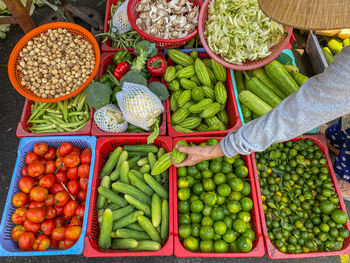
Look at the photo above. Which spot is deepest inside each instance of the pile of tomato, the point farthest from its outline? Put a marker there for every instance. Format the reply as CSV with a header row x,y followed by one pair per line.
x,y
47,215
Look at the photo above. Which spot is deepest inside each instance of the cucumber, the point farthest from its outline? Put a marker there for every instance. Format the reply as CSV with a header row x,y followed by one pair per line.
x,y
123,157
254,103
133,161
115,175
104,239
141,148
133,154
100,212
135,226
113,235
261,75
110,195
117,214
126,220
145,169
138,204
124,170
290,68
239,80
147,226
140,184
147,245
113,206
156,210
164,227
160,153
157,187
246,112
131,190
124,243
129,233
328,55
151,159
143,161
101,200
299,78
111,162
137,173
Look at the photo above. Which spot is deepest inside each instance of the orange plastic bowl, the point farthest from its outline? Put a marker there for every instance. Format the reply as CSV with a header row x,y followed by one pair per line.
x,y
15,75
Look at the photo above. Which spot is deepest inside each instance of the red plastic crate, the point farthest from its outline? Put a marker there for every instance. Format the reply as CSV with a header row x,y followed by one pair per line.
x,y
104,146
23,131
106,59
273,252
258,245
231,109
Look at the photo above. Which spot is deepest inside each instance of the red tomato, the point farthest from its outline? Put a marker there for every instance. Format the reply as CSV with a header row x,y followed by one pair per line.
x,y
65,148
75,153
19,216
50,154
82,195
47,181
65,244
59,210
24,171
59,221
43,161
50,167
76,149
72,173
26,183
73,187
61,177
58,233
36,215
54,243
19,199
80,212
59,164
66,218
41,243
61,198
31,226
85,158
83,182
50,212
40,148
30,157
36,204
83,170
87,150
26,241
76,221
82,203
16,232
70,208
47,226
56,188
49,200
72,232
39,193
36,168
71,160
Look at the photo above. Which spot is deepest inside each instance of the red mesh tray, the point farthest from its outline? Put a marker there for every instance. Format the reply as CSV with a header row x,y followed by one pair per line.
x,y
273,252
107,58
258,245
104,146
23,131
231,108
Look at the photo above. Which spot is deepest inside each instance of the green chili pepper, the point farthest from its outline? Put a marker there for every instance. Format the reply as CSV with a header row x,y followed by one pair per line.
x,y
122,56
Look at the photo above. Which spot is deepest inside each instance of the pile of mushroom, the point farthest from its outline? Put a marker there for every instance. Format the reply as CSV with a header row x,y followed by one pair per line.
x,y
167,20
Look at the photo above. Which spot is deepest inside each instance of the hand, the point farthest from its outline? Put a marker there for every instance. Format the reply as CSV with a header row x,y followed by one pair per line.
x,y
197,154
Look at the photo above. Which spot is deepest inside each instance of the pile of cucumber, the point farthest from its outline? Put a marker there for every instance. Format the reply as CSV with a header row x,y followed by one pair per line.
x,y
133,209
262,89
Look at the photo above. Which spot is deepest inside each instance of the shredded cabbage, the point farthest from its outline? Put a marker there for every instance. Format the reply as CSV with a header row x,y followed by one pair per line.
x,y
238,30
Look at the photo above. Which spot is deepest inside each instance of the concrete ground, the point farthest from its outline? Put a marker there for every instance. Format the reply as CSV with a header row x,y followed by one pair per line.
x,y
11,105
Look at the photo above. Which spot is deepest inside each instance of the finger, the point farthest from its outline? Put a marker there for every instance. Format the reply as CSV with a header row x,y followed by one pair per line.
x,y
184,149
188,162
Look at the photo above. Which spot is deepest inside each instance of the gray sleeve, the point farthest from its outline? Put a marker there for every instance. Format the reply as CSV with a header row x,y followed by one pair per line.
x,y
321,99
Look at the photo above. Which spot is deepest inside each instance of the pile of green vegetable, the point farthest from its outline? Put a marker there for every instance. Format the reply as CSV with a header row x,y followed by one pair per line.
x,y
198,93
132,204
214,204
300,204
332,46
62,116
262,89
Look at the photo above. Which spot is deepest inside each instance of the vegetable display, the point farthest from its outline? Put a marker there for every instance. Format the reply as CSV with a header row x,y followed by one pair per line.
x,y
51,201
132,204
299,201
239,31
214,204
62,116
331,46
198,93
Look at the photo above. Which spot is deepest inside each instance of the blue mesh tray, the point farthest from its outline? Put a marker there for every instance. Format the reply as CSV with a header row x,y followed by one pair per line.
x,y
9,247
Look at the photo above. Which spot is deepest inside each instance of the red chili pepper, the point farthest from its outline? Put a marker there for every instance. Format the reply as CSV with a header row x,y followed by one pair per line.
x,y
121,69
156,66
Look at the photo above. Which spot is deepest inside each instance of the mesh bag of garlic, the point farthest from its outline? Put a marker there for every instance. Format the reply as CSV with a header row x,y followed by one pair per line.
x,y
121,20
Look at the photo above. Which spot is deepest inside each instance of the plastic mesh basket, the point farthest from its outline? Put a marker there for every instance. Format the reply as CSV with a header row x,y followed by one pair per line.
x,y
104,147
273,252
9,247
258,245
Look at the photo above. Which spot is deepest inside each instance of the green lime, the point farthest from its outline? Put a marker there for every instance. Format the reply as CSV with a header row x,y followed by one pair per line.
x,y
324,227
207,221
244,244
215,166
206,233
185,230
192,170
183,207
228,221
193,198
230,160
195,230
236,184
344,233
197,188
322,236
339,217
239,226
224,190
249,234
196,218
238,162
245,216
230,236
197,206
207,174
217,214
181,172
204,165
191,243
206,246
241,171
217,237
220,246
210,198
226,167
207,210
219,178
182,182
230,175
234,206
220,227
213,141
334,232
184,219
327,207
209,185
184,193
220,200
235,196
234,247
190,180
246,203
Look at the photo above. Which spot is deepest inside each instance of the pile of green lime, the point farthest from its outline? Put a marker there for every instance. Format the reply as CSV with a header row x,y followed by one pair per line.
x,y
300,204
214,205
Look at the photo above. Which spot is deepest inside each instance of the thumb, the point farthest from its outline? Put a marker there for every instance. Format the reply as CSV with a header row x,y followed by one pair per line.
x,y
184,149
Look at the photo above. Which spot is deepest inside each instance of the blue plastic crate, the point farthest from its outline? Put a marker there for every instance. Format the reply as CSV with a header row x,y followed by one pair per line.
x,y
9,247
286,57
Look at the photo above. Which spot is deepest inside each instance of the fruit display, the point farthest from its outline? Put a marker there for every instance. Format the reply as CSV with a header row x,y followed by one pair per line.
x,y
50,204
300,204
133,199
214,206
